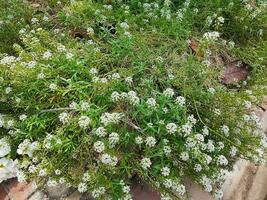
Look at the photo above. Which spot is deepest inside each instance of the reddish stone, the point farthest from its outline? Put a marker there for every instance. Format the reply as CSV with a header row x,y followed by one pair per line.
x,y
235,72
19,191
3,194
144,193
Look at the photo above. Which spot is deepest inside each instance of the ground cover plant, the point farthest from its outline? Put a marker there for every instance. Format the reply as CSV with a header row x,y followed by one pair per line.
x,y
100,94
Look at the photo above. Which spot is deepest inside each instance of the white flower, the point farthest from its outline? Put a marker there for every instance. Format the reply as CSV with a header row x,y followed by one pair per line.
x,y
99,146
222,160
26,147
218,194
69,55
93,71
21,176
167,150
180,189
51,183
8,169
100,132
107,118
8,90
124,25
4,147
41,75
184,156
165,171
42,172
168,92
233,151
129,80
115,96
73,105
133,98
151,102
138,140
171,128
168,183
197,167
150,141
90,31
146,163
210,146
180,101
207,183
96,193
225,130
53,86
86,177
113,138
64,117
211,36
57,172
47,55
82,187
7,60
109,160
116,76
32,64
62,180
84,121
85,105
247,104
22,117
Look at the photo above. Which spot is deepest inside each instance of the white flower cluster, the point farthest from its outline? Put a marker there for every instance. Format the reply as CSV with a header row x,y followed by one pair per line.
x,y
130,96
8,168
4,147
107,118
96,193
180,100
150,141
113,139
99,146
169,92
109,160
84,121
27,148
171,128
146,163
100,132
211,36
64,118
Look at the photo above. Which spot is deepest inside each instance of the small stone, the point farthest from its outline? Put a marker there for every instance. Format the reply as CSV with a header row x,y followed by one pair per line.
x,y
74,196
61,190
38,195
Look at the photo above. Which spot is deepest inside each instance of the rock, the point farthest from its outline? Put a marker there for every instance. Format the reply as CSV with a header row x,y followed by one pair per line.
x,y
74,196
58,191
144,192
38,195
195,192
19,191
264,121
258,190
239,181
235,72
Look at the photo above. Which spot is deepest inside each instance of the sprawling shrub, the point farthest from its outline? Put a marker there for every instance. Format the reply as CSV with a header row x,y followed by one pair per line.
x,y
114,93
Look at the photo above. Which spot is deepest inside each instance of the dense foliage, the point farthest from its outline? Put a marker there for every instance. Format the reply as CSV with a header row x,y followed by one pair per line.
x,y
99,94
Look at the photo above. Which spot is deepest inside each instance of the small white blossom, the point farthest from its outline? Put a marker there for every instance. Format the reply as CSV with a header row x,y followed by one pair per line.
x,y
99,146
165,171
84,121
146,163
168,92
150,141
